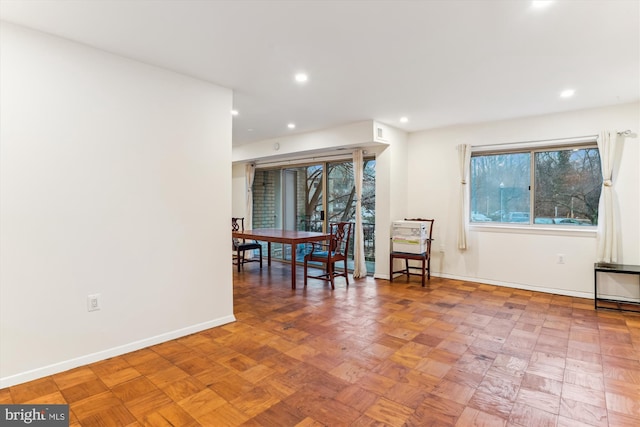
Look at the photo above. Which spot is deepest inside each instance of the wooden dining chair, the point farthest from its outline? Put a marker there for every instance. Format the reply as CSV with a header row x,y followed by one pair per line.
x,y
423,257
240,246
336,249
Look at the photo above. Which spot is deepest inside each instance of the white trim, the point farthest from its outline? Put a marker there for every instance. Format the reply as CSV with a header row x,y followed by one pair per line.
x,y
529,145
617,298
55,368
586,295
573,231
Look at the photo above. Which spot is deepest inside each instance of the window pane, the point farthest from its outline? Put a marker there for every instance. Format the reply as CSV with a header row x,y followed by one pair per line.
x,y
341,202
568,184
500,188
341,192
266,200
309,198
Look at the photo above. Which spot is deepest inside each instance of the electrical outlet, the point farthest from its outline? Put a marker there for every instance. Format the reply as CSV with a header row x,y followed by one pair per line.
x,y
93,302
560,258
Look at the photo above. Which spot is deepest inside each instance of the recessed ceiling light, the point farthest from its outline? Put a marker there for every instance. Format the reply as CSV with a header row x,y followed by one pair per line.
x,y
291,126
301,77
567,93
234,112
541,4
403,120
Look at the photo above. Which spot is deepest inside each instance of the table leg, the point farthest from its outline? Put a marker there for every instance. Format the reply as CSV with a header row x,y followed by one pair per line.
x,y
595,289
269,254
293,265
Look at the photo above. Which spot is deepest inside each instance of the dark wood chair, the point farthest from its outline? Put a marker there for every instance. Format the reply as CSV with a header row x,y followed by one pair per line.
x,y
240,246
335,250
424,257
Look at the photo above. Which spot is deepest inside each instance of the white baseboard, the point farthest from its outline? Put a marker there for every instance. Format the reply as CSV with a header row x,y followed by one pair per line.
x,y
588,295
111,352
565,292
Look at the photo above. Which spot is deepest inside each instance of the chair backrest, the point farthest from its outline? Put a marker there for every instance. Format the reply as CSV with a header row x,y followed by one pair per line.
x,y
237,224
429,226
340,237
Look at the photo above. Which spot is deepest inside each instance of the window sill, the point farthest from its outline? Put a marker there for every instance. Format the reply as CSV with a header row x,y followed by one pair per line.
x,y
576,231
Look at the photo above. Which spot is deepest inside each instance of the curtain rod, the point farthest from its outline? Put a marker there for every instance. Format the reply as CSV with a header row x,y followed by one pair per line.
x,y
536,143
573,140
622,132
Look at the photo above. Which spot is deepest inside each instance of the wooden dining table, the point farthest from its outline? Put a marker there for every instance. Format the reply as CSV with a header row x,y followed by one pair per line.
x,y
289,237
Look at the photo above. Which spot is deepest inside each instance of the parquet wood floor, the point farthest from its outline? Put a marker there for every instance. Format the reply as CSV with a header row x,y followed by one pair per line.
x,y
450,354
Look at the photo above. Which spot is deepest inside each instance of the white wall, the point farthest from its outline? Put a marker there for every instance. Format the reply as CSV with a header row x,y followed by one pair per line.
x,y
115,179
239,193
517,257
391,192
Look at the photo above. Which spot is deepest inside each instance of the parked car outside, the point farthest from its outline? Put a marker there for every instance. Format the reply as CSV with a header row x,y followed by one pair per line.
x,y
478,217
498,215
542,220
518,217
572,221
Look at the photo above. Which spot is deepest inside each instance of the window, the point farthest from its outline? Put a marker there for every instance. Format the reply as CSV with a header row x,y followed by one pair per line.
x,y
547,185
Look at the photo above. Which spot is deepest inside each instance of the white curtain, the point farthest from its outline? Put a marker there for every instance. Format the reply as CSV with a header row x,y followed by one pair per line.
x,y
607,227
359,264
464,160
249,173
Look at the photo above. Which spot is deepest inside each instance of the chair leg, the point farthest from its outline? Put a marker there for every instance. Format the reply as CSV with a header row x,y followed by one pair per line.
x,y
346,272
305,273
260,253
239,260
429,267
423,271
406,268
332,277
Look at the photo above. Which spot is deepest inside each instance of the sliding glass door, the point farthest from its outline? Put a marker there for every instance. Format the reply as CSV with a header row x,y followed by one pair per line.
x,y
309,197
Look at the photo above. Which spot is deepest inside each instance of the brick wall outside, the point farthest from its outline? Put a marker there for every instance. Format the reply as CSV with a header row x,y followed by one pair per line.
x,y
264,209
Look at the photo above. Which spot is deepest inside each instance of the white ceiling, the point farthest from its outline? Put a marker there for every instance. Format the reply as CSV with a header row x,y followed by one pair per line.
x,y
436,62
